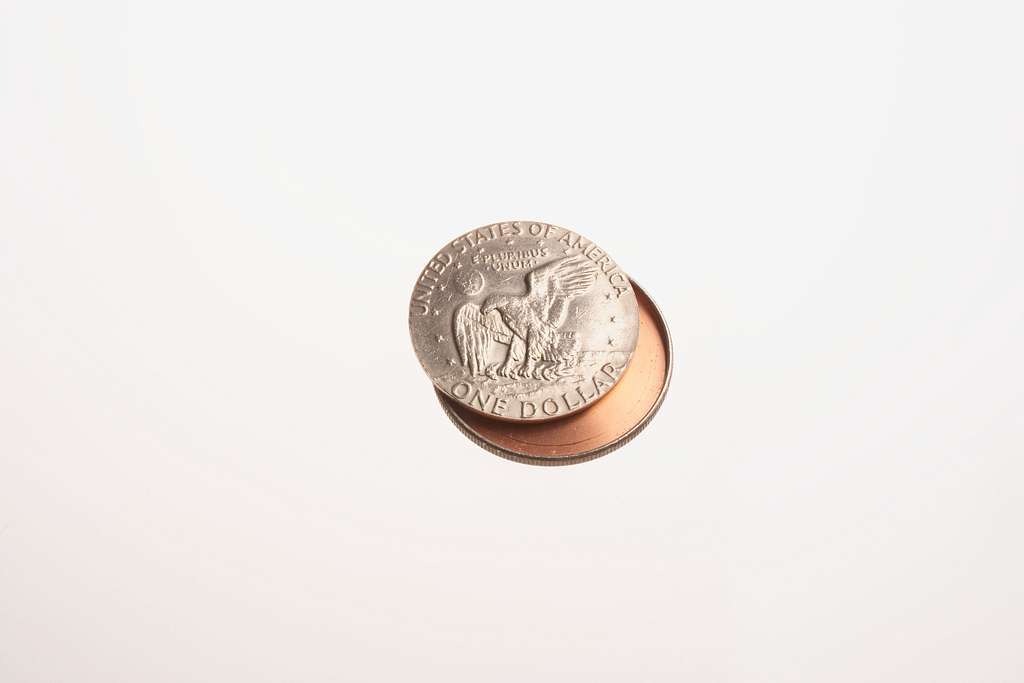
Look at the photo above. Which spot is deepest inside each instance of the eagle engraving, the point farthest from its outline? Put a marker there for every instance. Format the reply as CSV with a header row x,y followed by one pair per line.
x,y
530,324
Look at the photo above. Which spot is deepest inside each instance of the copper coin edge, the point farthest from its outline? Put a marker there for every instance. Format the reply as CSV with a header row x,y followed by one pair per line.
x,y
549,461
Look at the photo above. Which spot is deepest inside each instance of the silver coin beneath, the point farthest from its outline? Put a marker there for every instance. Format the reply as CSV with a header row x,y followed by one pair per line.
x,y
523,321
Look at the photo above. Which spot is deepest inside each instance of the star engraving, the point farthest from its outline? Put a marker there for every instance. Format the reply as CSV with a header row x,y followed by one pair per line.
x,y
613,318
510,241
442,287
480,250
451,361
608,296
610,341
459,264
440,338
540,243
436,312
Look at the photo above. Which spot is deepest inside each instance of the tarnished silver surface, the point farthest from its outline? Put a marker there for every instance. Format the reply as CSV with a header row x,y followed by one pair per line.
x,y
607,426
523,321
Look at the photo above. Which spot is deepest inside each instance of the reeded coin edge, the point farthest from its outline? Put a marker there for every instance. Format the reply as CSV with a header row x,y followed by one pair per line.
x,y
593,454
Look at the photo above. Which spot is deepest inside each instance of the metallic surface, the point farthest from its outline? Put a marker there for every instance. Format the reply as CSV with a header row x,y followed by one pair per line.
x,y
523,321
608,424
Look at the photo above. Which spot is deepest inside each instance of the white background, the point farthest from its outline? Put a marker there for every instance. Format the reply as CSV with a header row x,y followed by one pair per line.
x,y
220,460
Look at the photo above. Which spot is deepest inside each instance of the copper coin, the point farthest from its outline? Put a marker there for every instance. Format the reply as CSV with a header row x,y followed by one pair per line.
x,y
604,426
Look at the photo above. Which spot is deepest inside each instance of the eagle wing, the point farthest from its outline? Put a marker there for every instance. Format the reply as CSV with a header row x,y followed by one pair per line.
x,y
551,286
474,332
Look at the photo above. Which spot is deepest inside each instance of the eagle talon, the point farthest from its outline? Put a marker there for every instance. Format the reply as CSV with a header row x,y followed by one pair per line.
x,y
508,372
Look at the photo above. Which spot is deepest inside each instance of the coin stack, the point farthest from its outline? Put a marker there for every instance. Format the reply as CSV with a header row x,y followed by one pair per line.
x,y
540,347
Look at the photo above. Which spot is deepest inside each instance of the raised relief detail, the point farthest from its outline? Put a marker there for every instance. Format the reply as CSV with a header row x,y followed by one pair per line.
x,y
522,319
530,324
469,282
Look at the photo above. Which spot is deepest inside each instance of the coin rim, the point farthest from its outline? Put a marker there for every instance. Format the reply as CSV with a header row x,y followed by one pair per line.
x,y
634,431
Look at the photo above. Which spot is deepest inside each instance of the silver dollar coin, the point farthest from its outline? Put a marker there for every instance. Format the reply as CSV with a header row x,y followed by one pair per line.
x,y
523,320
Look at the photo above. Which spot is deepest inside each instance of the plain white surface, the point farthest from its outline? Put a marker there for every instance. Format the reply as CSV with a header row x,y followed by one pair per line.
x,y
220,461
